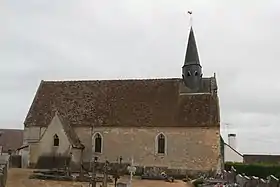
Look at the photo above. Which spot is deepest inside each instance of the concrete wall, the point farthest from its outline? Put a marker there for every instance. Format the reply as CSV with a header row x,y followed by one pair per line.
x,y
187,148
231,155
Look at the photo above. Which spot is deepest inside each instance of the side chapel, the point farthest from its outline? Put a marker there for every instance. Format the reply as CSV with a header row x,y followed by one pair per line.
x,y
172,123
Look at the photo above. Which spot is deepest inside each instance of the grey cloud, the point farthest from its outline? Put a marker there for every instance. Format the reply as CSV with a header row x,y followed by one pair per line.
x,y
146,39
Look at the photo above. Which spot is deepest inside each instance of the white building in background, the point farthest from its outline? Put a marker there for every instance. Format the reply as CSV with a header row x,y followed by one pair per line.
x,y
230,150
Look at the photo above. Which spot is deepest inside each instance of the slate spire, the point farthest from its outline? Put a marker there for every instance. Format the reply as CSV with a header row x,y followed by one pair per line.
x,y
191,52
192,70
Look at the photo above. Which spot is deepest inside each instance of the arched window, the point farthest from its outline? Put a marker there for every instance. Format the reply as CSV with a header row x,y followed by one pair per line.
x,y
189,73
195,73
161,144
55,140
97,143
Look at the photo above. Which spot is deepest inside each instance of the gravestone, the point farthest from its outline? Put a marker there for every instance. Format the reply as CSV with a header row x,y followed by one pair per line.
x,y
240,180
247,181
230,177
263,183
254,181
273,181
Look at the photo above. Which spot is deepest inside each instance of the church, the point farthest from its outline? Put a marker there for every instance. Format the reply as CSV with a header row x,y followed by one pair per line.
x,y
171,123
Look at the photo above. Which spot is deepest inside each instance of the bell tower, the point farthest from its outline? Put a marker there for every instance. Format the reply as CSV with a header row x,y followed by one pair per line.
x,y
192,70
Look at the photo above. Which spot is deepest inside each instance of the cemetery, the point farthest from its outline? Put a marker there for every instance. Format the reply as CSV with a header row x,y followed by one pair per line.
x,y
120,174
103,173
242,180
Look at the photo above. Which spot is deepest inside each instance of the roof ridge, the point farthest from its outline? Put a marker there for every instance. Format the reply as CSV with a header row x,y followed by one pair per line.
x,y
96,80
112,80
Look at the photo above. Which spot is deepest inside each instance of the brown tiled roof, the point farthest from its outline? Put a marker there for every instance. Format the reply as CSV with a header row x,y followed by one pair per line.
x,y
70,133
11,139
151,102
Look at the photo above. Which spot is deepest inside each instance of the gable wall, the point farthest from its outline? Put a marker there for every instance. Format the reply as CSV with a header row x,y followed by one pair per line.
x,y
46,142
44,146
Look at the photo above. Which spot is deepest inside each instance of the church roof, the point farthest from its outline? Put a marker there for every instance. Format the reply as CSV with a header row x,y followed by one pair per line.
x,y
70,133
127,103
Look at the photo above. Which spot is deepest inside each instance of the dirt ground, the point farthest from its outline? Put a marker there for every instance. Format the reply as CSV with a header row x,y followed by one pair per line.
x,y
19,178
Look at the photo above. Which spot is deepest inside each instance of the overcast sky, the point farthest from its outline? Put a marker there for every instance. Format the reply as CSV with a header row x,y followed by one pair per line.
x,y
109,39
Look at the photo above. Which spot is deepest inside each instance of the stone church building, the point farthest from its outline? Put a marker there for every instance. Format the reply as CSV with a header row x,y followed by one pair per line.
x,y
172,123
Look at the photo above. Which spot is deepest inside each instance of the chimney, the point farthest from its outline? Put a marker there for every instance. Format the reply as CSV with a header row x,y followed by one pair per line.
x,y
232,140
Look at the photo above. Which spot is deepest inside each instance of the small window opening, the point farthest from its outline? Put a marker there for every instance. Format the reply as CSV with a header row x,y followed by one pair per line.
x,y
189,73
55,140
98,143
161,144
195,73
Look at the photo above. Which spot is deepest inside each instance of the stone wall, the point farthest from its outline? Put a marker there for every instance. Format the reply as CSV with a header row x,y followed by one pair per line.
x,y
188,149
250,181
192,148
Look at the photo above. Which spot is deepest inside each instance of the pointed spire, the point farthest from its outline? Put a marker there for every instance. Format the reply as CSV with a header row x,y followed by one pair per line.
x,y
192,52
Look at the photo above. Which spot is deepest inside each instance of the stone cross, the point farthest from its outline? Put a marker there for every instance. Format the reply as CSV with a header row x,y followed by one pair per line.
x,y
131,170
105,173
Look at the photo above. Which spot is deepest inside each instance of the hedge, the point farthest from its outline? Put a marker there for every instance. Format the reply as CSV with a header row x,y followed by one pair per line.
x,y
262,170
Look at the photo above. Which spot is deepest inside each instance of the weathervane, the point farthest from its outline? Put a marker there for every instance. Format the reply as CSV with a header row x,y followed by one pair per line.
x,y
190,13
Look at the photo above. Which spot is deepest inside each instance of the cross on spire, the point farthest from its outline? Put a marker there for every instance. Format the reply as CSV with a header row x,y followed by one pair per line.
x,y
190,13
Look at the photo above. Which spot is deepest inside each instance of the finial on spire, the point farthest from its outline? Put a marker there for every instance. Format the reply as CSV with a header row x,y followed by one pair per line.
x,y
190,13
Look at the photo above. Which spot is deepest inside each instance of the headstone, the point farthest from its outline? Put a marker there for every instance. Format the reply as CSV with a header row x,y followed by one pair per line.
x,y
263,183
254,181
231,177
240,180
273,181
